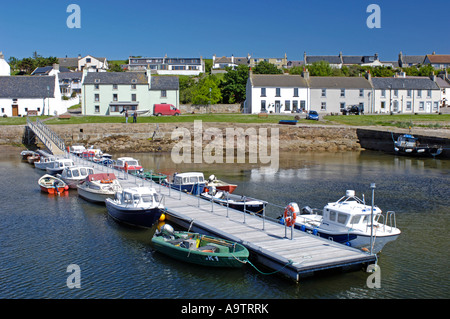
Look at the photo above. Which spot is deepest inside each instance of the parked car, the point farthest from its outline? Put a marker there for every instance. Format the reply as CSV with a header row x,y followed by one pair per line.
x,y
312,115
353,109
165,109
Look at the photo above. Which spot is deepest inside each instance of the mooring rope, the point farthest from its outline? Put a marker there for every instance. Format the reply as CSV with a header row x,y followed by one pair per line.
x,y
263,273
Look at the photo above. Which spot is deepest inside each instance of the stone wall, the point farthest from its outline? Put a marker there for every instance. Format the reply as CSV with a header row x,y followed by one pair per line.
x,y
214,108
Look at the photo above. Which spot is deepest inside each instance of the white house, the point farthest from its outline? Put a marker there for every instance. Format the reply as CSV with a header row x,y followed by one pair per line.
x,y
278,93
92,64
22,95
167,65
5,69
444,84
406,94
232,62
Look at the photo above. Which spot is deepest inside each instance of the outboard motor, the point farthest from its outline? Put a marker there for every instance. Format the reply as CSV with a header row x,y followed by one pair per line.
x,y
307,210
167,230
211,178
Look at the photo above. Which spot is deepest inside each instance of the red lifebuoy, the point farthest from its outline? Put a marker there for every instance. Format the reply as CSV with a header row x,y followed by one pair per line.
x,y
290,215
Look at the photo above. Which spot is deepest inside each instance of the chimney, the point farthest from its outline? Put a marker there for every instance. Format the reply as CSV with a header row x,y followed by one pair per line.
x,y
304,57
376,56
433,77
56,66
79,56
149,77
434,53
368,76
305,74
232,58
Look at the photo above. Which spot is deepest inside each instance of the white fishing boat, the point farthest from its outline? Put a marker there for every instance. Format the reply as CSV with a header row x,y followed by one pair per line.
x,y
137,206
44,162
74,175
347,221
98,187
59,165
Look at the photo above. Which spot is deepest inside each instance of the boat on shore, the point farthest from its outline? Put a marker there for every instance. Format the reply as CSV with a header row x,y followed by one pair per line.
x,y
74,175
136,206
27,153
98,187
407,144
52,185
220,185
190,182
238,202
199,249
347,221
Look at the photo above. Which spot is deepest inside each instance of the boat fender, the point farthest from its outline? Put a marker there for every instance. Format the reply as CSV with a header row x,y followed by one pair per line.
x,y
316,232
348,244
303,228
290,214
106,181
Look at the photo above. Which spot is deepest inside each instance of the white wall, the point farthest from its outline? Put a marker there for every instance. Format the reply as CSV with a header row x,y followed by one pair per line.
x,y
286,94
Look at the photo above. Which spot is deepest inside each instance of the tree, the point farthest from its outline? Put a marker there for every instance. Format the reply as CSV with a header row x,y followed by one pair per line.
x,y
187,86
207,91
265,67
320,68
234,84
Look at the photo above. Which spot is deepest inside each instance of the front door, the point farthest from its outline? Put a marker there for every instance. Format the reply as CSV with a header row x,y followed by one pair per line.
x,y
15,110
277,106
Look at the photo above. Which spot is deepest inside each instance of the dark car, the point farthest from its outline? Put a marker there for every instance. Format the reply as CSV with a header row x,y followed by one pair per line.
x,y
354,109
312,115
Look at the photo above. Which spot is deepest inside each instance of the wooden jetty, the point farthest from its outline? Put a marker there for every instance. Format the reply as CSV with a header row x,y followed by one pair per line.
x,y
283,250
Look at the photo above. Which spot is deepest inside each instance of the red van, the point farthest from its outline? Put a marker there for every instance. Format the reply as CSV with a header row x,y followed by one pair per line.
x,y
165,109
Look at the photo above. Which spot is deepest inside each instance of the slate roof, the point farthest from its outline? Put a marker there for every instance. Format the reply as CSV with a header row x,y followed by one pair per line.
x,y
115,78
442,83
407,83
26,87
357,59
70,75
338,82
278,80
413,59
46,69
68,62
164,83
332,59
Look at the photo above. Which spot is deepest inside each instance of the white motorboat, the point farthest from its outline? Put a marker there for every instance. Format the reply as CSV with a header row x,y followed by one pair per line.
x,y
44,162
77,149
129,165
348,221
137,206
74,175
190,182
58,165
98,187
239,202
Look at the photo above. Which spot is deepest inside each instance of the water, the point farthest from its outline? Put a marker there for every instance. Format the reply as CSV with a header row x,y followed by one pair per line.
x,y
41,235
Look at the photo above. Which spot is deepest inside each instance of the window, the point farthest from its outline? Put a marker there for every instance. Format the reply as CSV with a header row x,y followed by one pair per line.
x,y
303,104
263,92
396,93
287,105
323,106
435,105
324,92
133,97
295,105
88,60
133,86
332,216
409,93
277,92
295,92
115,97
97,97
395,106
383,93
342,92
342,218
97,80
428,93
408,105
342,106
97,109
96,87
163,93
419,93
355,219
421,105
263,105
361,92
114,86
383,105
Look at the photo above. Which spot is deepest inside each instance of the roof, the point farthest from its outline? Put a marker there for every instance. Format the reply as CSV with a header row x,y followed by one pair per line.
x,y
413,59
332,59
21,87
278,80
44,70
406,83
68,62
439,58
70,75
339,82
164,83
115,78
357,59
442,83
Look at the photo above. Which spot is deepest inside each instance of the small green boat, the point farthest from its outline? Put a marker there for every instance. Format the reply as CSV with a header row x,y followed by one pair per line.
x,y
156,177
199,249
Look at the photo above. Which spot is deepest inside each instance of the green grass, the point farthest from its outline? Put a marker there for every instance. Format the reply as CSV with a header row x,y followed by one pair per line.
x,y
398,120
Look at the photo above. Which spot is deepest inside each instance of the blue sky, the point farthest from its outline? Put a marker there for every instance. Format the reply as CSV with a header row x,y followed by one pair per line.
x,y
264,28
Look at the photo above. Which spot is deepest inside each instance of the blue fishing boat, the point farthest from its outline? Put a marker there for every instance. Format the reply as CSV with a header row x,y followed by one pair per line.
x,y
191,182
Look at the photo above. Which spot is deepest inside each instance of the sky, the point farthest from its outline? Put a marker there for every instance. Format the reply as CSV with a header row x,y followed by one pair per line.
x,y
194,28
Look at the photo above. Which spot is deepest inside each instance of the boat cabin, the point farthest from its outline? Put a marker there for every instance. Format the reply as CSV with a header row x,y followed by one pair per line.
x,y
407,140
349,211
77,172
138,196
62,163
77,149
127,163
188,178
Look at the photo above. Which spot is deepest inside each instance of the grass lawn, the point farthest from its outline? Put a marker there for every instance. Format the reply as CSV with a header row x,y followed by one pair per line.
x,y
399,120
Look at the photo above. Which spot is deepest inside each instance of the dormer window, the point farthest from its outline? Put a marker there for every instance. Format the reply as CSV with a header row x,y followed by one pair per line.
x,y
133,81
97,80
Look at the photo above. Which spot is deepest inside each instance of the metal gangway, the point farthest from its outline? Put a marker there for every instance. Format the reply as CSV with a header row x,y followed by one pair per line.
x,y
50,139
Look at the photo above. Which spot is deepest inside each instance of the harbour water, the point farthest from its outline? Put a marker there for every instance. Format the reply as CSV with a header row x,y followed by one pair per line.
x,y
41,235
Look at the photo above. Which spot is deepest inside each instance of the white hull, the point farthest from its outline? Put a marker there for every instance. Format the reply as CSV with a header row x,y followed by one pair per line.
x,y
93,195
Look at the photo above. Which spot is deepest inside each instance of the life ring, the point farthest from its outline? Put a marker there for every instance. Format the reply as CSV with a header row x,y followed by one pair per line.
x,y
290,215
106,181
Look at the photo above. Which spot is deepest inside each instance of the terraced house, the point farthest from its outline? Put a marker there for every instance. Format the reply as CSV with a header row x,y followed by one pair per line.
x,y
110,93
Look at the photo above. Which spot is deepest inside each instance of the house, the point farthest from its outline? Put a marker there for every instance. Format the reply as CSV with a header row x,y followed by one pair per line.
x,y
168,66
49,70
337,61
5,69
92,64
335,93
109,93
438,61
70,82
405,94
70,63
405,61
276,93
444,84
232,62
22,94
280,63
